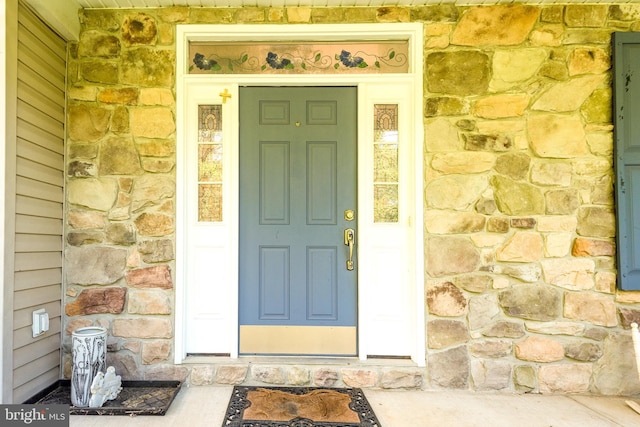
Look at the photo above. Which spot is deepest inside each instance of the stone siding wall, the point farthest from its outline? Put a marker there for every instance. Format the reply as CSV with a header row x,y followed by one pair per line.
x,y
519,219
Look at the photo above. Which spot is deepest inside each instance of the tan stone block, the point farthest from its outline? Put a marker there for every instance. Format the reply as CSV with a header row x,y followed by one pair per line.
x,y
156,122
82,219
156,96
298,376
555,328
592,166
521,247
393,14
446,333
547,35
551,173
502,25
625,12
231,374
500,106
139,29
585,15
628,297
461,162
166,35
606,282
589,60
517,198
437,42
558,136
73,324
359,14
97,300
590,307
118,156
157,276
461,73
148,302
325,377
539,349
531,301
437,29
151,224
359,378
250,15
327,15
557,223
155,351
152,190
487,240
500,126
501,283
94,193
569,273
596,221
451,255
445,299
87,123
82,93
452,222
441,135
557,245
173,14
456,192
142,327
569,95
156,148
267,374
202,375
157,165
298,15
601,143
565,378
276,14
127,95
402,378
592,247
491,348
208,15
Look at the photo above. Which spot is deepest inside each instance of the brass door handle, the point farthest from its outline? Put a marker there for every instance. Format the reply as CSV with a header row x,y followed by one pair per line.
x,y
350,240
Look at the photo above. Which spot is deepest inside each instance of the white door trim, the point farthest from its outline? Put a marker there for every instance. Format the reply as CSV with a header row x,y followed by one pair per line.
x,y
365,83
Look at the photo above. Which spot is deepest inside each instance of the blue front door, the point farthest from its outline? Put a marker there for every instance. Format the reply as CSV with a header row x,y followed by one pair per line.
x,y
298,288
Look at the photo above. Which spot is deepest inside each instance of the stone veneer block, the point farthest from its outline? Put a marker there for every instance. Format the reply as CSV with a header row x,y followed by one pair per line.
x,y
590,307
97,301
502,25
539,349
142,327
565,378
94,265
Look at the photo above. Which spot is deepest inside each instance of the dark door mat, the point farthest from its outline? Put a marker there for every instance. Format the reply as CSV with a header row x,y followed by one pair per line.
x,y
136,398
287,404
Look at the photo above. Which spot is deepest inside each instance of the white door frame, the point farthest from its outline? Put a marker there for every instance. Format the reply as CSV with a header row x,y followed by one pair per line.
x,y
366,83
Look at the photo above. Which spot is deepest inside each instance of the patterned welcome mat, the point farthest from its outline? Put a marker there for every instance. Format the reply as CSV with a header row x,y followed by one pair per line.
x,y
299,407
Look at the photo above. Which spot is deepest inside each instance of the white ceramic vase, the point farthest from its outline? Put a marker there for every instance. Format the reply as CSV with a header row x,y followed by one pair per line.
x,y
89,357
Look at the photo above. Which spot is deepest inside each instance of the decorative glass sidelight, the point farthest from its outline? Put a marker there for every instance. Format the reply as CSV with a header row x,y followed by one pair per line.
x,y
385,163
210,163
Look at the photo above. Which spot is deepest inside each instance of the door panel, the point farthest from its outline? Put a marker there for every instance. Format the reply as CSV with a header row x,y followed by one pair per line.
x,y
298,176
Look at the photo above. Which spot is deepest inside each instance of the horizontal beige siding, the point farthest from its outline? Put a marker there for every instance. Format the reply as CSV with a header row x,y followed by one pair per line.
x,y
39,204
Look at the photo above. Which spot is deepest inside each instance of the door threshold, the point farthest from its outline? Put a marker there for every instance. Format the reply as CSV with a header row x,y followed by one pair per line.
x,y
297,360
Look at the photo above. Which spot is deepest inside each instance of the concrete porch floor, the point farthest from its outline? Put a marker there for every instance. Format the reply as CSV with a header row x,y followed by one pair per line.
x,y
197,406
